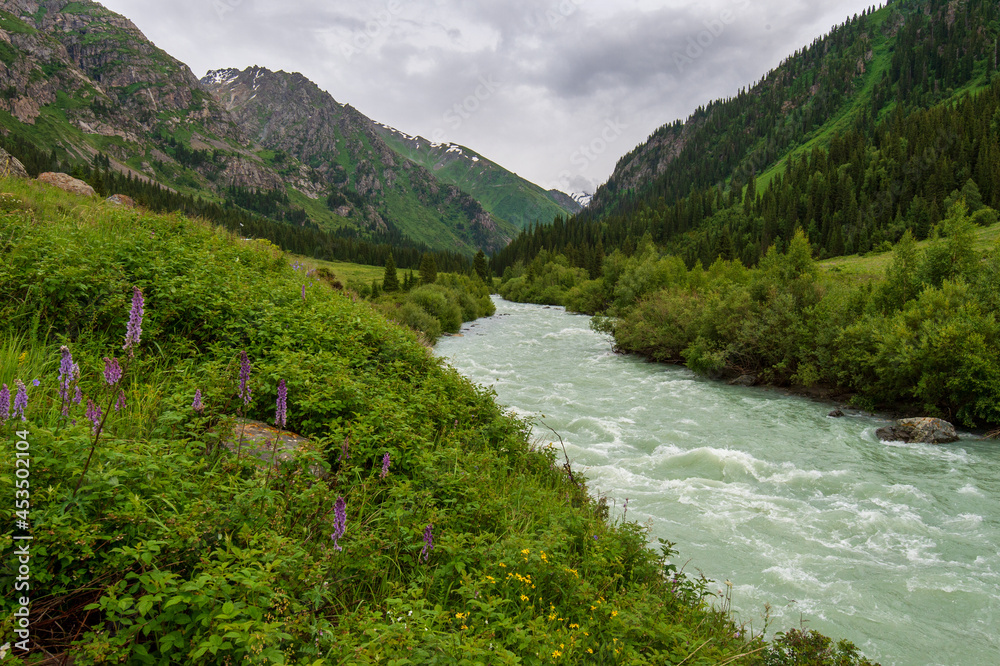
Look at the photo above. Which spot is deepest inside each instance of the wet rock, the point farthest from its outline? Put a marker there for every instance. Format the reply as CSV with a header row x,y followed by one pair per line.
x,y
744,380
66,182
921,430
836,414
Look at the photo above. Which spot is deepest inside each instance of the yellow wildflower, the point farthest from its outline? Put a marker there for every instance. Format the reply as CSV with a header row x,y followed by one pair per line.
x,y
556,654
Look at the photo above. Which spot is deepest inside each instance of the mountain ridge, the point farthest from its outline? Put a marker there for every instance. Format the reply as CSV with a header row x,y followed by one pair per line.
x,y
502,192
723,182
343,154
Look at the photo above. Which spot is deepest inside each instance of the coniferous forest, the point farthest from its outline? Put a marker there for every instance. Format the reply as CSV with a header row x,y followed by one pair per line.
x,y
863,135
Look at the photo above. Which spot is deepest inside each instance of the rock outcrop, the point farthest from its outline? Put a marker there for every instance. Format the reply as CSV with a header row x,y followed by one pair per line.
x,y
10,166
122,200
919,430
66,182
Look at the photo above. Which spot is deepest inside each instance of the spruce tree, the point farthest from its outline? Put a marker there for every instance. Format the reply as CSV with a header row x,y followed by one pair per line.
x,y
428,269
390,281
479,266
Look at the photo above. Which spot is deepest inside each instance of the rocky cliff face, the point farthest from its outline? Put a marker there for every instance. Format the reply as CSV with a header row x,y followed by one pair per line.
x,y
93,55
644,163
367,181
100,77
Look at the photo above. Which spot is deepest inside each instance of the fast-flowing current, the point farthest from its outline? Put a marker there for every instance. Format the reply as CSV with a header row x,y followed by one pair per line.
x,y
892,546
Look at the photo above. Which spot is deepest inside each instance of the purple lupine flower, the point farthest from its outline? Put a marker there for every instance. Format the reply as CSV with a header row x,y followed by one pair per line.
x,y
94,415
281,410
385,466
20,400
67,373
78,395
120,403
244,377
428,543
303,292
196,405
4,404
339,521
344,453
134,329
112,371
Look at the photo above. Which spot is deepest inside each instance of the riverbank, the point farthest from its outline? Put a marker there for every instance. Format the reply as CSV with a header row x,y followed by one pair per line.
x,y
419,525
809,515
924,339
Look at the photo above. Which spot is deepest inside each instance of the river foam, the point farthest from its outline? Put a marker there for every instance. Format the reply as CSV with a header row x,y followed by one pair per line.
x,y
892,546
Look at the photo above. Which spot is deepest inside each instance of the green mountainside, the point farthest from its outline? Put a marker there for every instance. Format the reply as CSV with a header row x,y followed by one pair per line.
x,y
867,132
79,80
702,247
503,193
85,89
339,155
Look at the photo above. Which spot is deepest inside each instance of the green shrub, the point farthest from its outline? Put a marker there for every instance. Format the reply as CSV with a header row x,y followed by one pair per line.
x,y
441,303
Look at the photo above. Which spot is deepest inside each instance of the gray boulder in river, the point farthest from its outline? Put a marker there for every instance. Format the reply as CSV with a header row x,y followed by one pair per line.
x,y
919,430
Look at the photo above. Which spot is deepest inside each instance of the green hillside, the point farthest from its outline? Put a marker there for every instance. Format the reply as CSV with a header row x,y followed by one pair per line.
x,y
417,523
504,194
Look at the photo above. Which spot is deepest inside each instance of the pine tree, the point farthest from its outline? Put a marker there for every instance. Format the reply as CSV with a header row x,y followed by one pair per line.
x,y
480,267
428,269
390,281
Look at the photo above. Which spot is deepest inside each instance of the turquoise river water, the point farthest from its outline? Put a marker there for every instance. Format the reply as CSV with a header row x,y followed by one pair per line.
x,y
891,546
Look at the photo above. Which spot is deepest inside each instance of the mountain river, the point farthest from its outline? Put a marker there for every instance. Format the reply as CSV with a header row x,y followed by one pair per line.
x,y
891,546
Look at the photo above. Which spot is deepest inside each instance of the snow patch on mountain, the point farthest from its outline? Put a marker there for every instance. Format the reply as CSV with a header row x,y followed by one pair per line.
x,y
220,76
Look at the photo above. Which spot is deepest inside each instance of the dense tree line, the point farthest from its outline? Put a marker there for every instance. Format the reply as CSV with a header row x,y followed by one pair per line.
x,y
855,195
922,337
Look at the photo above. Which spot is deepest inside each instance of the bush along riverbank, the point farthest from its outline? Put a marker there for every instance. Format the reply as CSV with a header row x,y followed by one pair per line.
x,y
416,522
922,336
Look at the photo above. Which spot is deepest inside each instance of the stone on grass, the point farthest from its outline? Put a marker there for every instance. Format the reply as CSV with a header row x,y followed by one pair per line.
x,y
66,182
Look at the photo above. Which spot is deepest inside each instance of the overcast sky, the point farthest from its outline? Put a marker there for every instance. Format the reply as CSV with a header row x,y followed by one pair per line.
x,y
554,90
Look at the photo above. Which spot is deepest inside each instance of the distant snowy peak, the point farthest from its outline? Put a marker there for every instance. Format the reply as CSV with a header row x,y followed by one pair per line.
x,y
582,198
220,77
